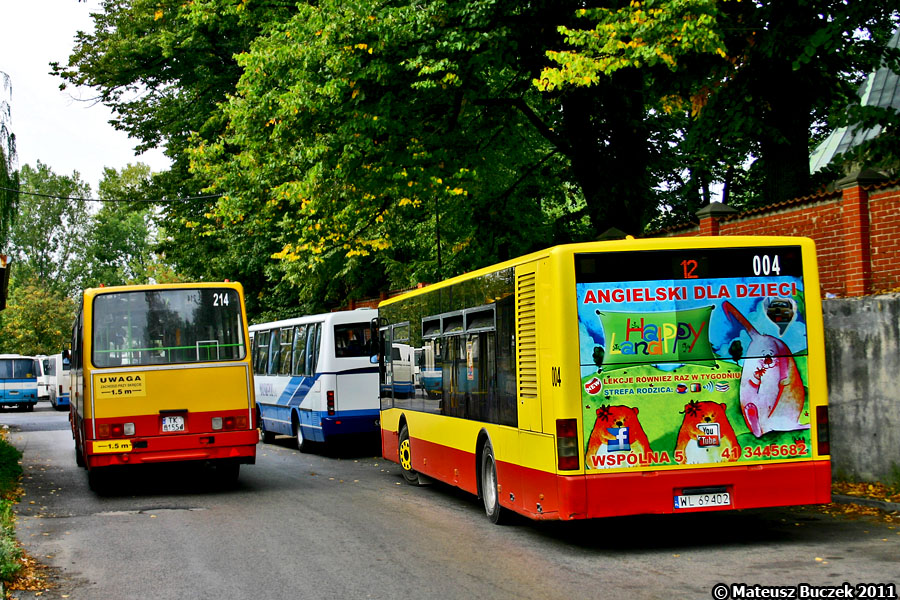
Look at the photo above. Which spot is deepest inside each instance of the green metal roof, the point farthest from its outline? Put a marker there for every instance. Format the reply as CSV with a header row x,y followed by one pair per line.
x,y
882,89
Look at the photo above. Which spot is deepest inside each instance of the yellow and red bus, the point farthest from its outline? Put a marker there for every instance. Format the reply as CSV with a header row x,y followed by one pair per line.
x,y
615,378
162,373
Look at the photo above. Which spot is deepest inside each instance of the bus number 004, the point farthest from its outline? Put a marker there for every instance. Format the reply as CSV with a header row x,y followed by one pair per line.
x,y
766,265
555,376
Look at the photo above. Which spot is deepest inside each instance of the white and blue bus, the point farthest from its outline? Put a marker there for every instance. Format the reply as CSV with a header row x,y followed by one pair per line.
x,y
314,376
57,369
18,381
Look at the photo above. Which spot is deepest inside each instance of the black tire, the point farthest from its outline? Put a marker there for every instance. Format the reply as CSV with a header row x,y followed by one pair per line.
x,y
79,455
405,458
489,494
267,436
97,480
227,473
302,444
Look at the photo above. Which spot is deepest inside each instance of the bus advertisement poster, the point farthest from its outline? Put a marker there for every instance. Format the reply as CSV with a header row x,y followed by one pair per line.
x,y
707,371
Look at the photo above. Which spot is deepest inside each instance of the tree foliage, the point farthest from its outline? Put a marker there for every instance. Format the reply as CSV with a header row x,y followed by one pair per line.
x,y
49,232
37,320
361,145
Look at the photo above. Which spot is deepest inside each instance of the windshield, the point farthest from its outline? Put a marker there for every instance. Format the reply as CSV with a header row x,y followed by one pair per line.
x,y
167,326
18,368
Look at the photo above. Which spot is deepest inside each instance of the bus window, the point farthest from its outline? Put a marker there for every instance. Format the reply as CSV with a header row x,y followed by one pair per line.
x,y
274,353
300,335
351,340
262,352
287,336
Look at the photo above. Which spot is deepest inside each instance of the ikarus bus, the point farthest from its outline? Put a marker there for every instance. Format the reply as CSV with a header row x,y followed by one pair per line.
x,y
161,373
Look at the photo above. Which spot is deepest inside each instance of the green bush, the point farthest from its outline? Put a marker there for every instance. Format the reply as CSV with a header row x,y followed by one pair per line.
x,y
10,472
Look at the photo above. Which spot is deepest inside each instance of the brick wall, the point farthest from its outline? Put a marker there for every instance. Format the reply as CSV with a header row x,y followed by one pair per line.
x,y
856,229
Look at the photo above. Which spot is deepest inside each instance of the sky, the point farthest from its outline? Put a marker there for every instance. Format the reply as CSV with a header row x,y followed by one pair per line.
x,y
57,127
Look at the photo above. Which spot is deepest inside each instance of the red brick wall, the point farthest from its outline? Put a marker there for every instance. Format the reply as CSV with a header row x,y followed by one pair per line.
x,y
856,230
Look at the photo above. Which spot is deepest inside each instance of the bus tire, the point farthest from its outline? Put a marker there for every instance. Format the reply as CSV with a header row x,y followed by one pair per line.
x,y
302,444
267,436
405,456
79,455
97,480
489,494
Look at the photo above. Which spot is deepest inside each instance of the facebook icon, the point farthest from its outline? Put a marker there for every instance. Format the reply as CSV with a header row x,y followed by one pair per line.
x,y
619,443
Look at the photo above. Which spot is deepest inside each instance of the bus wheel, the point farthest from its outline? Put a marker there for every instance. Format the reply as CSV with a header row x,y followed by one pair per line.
x,y
79,455
302,444
97,480
267,436
496,513
409,475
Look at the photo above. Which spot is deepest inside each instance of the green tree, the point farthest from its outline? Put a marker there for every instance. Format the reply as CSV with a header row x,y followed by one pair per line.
x,y
49,231
37,320
121,237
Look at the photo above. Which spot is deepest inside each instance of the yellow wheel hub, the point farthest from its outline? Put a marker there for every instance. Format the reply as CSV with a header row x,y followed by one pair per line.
x,y
405,458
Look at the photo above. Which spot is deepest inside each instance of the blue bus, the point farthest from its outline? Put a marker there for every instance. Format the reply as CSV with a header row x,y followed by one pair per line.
x,y
18,381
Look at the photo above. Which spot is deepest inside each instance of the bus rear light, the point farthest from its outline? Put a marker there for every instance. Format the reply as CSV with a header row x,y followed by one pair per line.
x,y
105,430
330,402
217,423
567,444
241,423
823,440
229,422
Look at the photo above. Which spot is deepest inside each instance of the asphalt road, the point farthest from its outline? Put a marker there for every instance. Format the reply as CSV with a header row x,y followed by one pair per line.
x,y
312,526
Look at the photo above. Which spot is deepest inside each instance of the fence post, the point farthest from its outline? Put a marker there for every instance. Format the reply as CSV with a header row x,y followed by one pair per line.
x,y
710,215
857,250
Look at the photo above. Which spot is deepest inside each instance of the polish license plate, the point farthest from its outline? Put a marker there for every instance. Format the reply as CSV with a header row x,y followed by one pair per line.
x,y
702,500
172,424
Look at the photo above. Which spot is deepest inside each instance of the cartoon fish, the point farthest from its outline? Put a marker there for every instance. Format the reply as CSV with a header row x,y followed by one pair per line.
x,y
772,393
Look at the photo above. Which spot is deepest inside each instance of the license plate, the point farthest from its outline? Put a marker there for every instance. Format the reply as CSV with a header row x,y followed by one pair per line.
x,y
172,424
702,500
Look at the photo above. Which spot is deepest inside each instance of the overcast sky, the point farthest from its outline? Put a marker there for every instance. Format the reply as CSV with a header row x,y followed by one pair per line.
x,y
50,125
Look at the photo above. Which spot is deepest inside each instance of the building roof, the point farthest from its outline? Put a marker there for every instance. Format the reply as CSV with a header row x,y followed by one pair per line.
x,y
882,89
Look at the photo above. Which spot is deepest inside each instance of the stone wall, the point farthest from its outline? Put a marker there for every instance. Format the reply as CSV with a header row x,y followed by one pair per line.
x,y
862,350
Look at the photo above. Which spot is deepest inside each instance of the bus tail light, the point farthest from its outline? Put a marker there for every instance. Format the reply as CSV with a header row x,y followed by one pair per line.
x,y
567,444
823,441
330,402
115,430
229,423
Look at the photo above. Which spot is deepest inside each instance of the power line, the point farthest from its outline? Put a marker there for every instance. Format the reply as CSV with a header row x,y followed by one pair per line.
x,y
203,197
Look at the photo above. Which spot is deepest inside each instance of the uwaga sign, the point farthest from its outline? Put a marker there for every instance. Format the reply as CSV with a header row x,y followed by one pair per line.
x,y
120,386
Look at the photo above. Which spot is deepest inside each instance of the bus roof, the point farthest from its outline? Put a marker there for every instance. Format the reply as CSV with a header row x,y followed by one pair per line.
x,y
628,244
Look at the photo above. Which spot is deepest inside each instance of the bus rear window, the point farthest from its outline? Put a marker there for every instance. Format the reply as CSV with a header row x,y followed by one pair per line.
x,y
167,327
352,339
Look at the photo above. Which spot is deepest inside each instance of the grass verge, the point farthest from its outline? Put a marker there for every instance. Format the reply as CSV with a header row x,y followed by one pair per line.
x,y
10,474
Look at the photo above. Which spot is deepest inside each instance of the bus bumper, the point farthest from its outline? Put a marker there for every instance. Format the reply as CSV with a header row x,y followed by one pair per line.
x,y
239,446
653,492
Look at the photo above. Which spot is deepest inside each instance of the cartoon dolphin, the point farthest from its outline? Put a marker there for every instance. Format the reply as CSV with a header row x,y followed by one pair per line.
x,y
772,393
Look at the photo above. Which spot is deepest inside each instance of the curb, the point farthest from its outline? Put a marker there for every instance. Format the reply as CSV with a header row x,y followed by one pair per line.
x,y
882,504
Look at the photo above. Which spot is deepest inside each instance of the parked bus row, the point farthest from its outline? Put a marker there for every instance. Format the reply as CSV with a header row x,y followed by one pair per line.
x,y
582,381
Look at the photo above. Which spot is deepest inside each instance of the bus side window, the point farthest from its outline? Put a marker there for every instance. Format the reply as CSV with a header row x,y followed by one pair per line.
x,y
287,336
262,353
274,352
299,367
312,347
